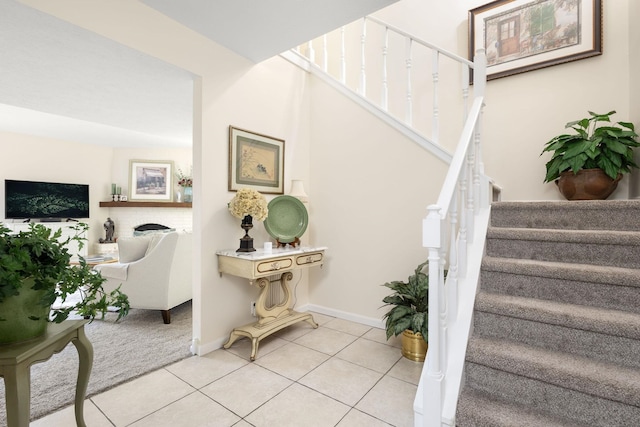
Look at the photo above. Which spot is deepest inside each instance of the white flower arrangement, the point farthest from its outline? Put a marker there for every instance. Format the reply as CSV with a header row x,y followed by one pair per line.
x,y
249,202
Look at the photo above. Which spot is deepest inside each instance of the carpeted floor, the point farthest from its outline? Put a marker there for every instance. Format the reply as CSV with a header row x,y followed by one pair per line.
x,y
138,344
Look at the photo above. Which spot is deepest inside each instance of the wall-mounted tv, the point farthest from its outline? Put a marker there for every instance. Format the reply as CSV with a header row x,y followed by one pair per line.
x,y
45,200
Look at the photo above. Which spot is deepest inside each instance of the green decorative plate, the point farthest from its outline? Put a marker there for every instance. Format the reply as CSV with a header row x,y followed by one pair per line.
x,y
287,219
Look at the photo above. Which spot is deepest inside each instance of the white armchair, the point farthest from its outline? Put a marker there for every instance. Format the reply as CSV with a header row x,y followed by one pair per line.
x,y
154,271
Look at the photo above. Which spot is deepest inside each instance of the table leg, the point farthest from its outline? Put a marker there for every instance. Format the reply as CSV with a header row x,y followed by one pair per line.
x,y
85,356
17,382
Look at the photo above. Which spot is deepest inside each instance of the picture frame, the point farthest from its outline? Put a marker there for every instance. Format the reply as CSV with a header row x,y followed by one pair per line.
x,y
525,35
151,180
255,161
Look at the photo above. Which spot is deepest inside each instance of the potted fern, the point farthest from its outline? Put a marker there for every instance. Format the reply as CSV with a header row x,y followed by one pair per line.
x,y
35,270
588,164
409,313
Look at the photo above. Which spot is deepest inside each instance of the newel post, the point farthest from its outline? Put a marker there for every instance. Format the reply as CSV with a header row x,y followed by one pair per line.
x,y
479,72
432,240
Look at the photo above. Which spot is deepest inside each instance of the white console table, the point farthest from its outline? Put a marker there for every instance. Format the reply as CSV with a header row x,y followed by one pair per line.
x,y
257,267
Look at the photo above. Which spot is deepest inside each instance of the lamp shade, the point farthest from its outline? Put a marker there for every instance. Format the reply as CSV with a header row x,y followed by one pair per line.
x,y
297,190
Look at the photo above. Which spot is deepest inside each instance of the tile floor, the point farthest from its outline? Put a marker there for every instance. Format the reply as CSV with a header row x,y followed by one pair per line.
x,y
342,374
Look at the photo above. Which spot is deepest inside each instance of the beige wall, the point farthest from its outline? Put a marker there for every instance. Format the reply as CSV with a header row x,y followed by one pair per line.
x,y
526,110
33,158
368,186
45,159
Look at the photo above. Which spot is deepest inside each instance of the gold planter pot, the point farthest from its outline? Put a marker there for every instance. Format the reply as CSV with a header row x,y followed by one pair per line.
x,y
414,347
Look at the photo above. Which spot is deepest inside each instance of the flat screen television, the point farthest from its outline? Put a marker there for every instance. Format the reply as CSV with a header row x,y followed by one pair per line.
x,y
45,200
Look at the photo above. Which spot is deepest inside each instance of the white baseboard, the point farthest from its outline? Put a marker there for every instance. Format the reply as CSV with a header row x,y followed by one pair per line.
x,y
369,321
200,349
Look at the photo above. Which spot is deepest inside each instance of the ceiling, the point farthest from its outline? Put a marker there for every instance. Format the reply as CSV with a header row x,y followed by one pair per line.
x,y
61,81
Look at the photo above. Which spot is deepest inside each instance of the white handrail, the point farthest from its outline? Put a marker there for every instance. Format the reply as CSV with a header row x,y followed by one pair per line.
x,y
449,226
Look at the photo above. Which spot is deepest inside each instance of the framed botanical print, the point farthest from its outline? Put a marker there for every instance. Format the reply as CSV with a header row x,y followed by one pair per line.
x,y
255,161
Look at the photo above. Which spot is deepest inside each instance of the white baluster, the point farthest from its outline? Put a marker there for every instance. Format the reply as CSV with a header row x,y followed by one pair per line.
x,y
465,92
409,108
385,88
363,74
452,276
311,53
325,54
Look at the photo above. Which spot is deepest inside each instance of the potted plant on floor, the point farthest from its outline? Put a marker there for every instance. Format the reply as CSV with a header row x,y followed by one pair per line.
x,y
409,314
35,270
587,165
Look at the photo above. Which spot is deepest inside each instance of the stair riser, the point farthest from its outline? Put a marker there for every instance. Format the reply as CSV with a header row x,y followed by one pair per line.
x,y
551,399
585,215
626,256
608,348
625,298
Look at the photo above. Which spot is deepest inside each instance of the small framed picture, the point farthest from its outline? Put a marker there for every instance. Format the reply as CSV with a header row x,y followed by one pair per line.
x,y
255,161
151,180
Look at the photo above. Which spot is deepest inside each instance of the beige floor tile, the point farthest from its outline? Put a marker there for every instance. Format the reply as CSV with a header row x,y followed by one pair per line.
x,y
292,361
194,410
341,380
380,335
242,347
371,354
326,340
348,327
202,370
356,418
298,406
407,370
140,397
295,331
66,417
246,389
321,319
391,400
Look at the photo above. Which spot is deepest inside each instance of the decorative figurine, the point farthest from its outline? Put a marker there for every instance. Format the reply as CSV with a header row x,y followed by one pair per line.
x,y
110,228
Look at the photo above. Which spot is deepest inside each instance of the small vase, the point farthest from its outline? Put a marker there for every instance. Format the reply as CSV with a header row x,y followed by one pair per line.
x,y
178,196
246,243
188,194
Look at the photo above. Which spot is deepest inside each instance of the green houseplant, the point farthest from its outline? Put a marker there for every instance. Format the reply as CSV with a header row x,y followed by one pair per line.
x,y
593,147
35,270
409,313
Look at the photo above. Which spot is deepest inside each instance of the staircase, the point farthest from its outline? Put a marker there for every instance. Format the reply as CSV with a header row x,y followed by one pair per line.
x,y
556,332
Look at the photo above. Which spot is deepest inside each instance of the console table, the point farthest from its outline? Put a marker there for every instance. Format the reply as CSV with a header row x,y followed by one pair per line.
x,y
257,267
16,361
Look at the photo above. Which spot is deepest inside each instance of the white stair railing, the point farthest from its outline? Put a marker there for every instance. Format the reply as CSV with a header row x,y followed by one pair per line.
x,y
450,224
400,74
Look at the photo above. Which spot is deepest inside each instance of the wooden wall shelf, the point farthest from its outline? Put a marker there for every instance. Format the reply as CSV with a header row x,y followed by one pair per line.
x,y
144,205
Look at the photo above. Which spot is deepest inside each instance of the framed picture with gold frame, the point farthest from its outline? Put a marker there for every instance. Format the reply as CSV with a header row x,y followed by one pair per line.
x,y
255,161
525,35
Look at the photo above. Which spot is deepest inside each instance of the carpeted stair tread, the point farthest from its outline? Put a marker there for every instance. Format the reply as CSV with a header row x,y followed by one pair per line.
x,y
585,409
613,248
605,321
563,270
604,347
586,214
477,409
584,375
604,237
600,286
